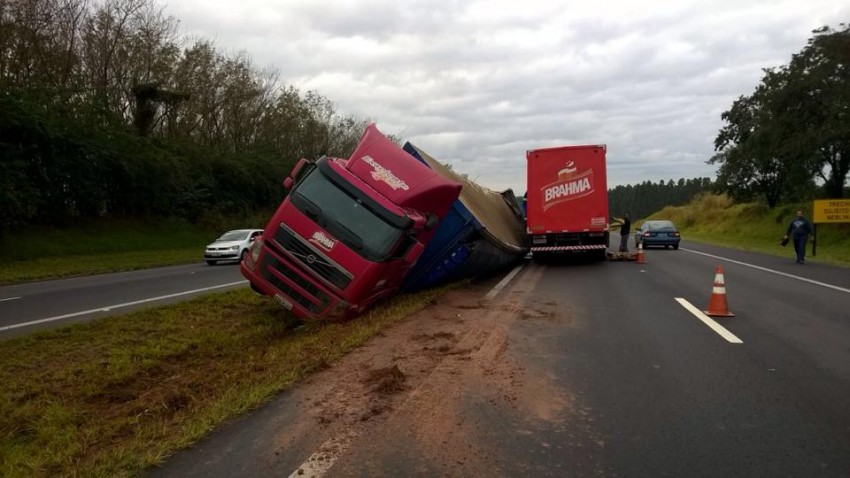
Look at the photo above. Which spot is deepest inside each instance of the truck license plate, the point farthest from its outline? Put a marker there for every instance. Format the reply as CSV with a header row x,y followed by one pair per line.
x,y
283,301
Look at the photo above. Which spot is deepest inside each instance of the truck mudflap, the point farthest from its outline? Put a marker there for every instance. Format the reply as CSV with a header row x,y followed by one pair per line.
x,y
589,247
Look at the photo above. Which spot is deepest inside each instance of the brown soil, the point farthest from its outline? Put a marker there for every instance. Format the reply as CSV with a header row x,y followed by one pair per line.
x,y
414,381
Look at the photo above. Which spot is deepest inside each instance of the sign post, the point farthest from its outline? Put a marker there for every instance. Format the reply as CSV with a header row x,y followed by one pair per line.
x,y
826,211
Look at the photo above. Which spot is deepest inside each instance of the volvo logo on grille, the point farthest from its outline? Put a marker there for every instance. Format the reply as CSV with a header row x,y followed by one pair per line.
x,y
311,258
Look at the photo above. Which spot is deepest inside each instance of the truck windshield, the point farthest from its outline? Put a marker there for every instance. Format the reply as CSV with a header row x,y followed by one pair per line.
x,y
346,217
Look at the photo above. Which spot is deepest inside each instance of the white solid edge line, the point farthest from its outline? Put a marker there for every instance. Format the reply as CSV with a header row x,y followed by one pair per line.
x,y
324,458
729,336
108,308
765,269
9,298
502,283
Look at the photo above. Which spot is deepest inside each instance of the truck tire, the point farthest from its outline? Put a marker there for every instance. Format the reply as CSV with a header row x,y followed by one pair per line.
x,y
257,290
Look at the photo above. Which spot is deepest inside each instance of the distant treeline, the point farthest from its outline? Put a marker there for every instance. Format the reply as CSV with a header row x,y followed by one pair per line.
x,y
645,198
105,109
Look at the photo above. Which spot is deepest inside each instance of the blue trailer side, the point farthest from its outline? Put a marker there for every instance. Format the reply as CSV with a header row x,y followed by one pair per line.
x,y
464,246
448,250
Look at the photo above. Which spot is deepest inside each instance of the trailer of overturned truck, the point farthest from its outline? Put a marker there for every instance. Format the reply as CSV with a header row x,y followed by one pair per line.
x,y
482,233
354,231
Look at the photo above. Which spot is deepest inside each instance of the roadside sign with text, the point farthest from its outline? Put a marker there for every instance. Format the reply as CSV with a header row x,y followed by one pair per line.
x,y
831,211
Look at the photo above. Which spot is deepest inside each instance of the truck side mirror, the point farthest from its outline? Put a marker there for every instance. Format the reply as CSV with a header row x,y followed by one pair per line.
x,y
414,252
301,168
432,221
296,170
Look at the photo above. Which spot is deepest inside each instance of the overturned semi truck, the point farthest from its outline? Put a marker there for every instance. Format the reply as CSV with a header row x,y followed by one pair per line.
x,y
352,232
349,231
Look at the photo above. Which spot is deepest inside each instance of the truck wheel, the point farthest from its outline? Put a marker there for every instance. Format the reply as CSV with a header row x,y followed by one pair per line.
x,y
349,315
256,289
212,263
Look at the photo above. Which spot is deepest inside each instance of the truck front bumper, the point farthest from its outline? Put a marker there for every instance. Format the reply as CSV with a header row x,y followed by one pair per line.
x,y
290,286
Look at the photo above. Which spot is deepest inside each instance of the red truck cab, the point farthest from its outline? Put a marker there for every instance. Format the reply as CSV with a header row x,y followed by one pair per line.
x,y
349,230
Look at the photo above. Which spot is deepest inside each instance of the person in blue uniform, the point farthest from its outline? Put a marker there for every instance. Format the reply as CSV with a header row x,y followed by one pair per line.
x,y
799,230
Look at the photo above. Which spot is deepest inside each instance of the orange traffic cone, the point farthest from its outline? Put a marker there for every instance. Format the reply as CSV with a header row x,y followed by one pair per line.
x,y
640,258
717,304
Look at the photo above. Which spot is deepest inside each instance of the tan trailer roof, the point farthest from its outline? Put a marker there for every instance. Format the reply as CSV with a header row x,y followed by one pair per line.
x,y
488,206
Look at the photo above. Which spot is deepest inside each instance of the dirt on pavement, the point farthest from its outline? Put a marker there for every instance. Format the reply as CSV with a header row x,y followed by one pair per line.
x,y
413,382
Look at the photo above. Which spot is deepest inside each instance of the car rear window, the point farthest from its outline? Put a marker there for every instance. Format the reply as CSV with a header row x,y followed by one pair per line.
x,y
655,225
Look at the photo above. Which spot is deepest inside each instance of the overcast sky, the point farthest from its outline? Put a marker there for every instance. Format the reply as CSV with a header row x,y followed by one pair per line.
x,y
477,83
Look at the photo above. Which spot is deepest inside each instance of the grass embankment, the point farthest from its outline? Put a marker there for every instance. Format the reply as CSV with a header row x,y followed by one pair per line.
x,y
715,219
113,396
109,245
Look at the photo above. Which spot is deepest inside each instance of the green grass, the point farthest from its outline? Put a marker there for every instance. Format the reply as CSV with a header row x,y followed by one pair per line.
x,y
715,219
43,268
114,396
109,245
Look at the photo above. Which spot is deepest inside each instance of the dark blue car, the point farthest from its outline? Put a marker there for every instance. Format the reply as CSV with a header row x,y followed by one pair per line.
x,y
658,234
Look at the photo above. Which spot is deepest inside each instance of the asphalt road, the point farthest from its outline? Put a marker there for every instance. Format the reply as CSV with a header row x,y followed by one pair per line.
x,y
35,306
647,387
668,396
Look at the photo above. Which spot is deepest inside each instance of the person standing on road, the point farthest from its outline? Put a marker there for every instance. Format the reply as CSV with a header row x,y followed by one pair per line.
x,y
525,205
799,230
625,227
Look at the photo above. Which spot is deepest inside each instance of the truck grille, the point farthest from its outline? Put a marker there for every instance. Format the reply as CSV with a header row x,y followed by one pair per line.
x,y
312,258
270,262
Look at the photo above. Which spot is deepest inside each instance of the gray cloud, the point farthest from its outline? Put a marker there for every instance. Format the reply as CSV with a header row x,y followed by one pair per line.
x,y
477,83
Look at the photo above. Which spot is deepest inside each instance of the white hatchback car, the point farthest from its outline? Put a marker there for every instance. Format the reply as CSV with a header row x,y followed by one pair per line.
x,y
231,246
